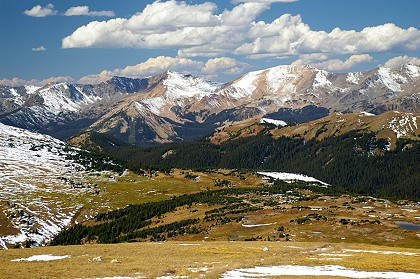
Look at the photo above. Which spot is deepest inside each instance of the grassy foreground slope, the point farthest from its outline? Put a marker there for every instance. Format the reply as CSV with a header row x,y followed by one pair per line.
x,y
201,259
284,212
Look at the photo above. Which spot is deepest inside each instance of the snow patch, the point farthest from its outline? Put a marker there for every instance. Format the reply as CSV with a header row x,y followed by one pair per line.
x,y
291,177
41,258
281,76
389,79
153,104
414,71
298,270
321,79
381,252
273,121
257,225
353,77
364,113
246,85
403,124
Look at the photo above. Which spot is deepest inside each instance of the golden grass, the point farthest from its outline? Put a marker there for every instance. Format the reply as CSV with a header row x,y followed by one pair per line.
x,y
207,259
119,191
319,242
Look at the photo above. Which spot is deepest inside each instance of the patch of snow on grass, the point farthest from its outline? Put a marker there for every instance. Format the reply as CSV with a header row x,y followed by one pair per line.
x,y
3,244
403,124
41,258
171,277
196,270
297,270
381,252
334,255
257,225
364,113
291,177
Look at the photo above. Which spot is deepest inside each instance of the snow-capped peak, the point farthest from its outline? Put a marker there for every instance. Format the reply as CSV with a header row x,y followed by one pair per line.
x,y
282,76
187,86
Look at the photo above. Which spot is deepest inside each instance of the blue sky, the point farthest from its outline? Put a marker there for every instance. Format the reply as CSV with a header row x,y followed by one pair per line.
x,y
91,41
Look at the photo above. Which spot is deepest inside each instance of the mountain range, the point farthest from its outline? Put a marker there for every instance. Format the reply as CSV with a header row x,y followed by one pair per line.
x,y
177,107
294,118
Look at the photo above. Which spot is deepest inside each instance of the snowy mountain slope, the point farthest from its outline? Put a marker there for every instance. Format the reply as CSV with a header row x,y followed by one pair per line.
x,y
37,200
173,106
57,107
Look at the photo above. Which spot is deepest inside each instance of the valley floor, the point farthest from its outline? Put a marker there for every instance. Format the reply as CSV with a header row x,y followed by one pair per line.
x,y
215,259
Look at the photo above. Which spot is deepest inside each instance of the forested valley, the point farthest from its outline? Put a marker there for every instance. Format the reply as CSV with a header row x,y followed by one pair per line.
x,y
357,162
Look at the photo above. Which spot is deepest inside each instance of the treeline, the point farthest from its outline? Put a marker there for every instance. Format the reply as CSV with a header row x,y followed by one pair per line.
x,y
357,162
124,224
133,222
100,162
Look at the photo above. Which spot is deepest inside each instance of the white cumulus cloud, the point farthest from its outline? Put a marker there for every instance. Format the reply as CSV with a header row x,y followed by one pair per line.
x,y
335,64
261,1
150,67
289,35
19,82
41,48
171,15
154,66
399,60
38,11
197,30
225,64
84,10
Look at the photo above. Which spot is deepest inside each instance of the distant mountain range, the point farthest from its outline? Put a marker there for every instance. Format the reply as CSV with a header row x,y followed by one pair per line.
x,y
176,107
340,128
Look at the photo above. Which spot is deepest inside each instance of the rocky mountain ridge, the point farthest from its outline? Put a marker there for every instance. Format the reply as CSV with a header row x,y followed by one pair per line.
x,y
175,107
